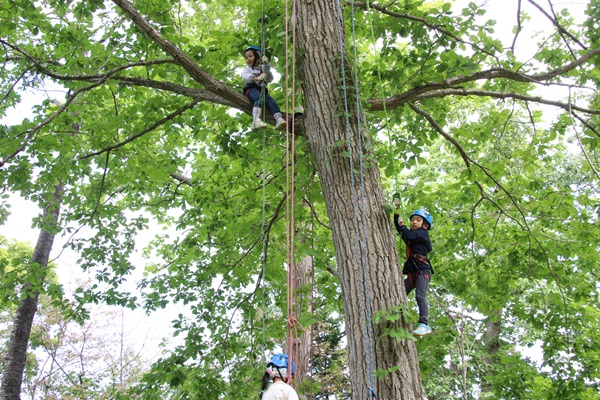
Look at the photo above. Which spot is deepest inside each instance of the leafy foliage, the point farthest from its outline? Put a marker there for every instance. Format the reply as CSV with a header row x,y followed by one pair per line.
x,y
461,125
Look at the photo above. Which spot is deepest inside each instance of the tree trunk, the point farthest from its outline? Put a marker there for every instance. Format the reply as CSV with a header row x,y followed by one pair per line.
x,y
303,273
12,376
366,254
492,345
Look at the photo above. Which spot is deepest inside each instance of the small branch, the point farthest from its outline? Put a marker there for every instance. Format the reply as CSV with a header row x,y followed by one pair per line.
x,y
513,201
441,131
265,242
12,87
314,213
84,78
435,27
61,109
585,154
558,26
512,47
586,123
143,132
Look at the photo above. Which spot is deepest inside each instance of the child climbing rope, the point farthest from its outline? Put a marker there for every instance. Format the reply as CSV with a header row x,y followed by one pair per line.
x,y
417,266
256,75
277,371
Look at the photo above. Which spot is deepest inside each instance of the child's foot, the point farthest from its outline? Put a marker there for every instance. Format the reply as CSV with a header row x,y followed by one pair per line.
x,y
422,329
258,124
281,125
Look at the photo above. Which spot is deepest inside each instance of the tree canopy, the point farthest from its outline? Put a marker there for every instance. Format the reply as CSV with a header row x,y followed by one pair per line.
x,y
496,136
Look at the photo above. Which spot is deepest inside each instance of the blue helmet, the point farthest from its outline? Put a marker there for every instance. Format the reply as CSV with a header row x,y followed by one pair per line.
x,y
280,362
425,215
255,48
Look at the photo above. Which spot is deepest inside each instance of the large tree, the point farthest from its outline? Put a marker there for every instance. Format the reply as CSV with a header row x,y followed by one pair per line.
x,y
155,100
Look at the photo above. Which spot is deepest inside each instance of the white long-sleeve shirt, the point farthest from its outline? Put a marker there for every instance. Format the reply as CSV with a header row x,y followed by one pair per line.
x,y
280,391
249,73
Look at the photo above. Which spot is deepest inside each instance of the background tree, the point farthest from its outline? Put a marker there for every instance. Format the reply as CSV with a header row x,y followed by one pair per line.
x,y
65,359
95,360
34,283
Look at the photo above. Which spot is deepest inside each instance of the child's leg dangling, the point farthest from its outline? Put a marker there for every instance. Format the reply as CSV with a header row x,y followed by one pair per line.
x,y
257,123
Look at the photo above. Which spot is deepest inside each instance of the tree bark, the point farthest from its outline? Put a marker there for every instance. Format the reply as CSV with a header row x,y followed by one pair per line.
x,y
303,273
12,376
492,345
365,252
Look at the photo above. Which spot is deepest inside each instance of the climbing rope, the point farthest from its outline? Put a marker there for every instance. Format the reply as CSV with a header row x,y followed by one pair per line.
x,y
264,202
391,145
263,47
359,222
292,332
264,244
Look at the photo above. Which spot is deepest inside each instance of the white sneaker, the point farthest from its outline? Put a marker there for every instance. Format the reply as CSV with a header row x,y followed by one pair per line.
x,y
422,329
281,125
258,124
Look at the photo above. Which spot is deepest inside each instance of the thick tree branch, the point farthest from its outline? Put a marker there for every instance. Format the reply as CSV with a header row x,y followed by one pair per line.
x,y
505,95
193,69
569,67
203,95
377,104
220,90
181,178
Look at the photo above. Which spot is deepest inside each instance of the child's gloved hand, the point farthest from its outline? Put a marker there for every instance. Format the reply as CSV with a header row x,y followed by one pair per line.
x,y
260,78
265,59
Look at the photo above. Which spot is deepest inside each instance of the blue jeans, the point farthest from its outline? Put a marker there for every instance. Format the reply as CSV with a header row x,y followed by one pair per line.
x,y
419,281
254,96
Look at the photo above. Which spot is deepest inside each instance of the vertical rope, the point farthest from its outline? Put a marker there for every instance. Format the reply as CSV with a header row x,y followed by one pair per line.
x,y
290,200
362,252
263,44
264,205
383,95
264,247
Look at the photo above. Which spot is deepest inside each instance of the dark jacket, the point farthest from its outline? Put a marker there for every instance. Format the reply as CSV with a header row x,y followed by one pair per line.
x,y
418,246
